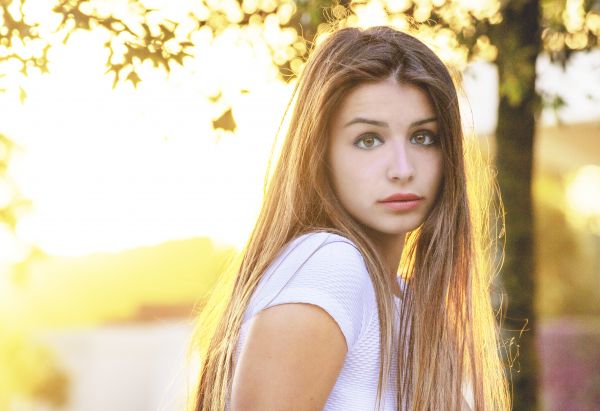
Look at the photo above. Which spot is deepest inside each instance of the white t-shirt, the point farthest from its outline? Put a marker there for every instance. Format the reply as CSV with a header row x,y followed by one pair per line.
x,y
328,270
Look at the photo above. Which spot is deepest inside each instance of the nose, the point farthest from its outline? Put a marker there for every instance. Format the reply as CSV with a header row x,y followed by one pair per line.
x,y
400,167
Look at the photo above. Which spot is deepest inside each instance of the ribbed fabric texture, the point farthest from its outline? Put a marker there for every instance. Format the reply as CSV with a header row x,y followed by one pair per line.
x,y
328,270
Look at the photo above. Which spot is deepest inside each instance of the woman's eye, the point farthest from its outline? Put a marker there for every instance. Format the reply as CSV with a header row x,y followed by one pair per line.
x,y
425,138
368,141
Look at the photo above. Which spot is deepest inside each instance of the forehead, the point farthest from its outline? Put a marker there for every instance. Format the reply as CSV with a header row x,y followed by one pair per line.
x,y
385,100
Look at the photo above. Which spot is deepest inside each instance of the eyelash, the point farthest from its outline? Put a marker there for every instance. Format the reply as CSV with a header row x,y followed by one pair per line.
x,y
427,133
430,134
361,139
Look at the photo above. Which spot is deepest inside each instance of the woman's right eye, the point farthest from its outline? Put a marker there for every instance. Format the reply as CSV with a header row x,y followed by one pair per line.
x,y
368,141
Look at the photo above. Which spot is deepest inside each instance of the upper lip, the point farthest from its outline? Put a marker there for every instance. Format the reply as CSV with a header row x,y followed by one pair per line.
x,y
401,197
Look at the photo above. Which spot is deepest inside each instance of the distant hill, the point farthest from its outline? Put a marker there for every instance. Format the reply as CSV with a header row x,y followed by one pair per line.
x,y
138,284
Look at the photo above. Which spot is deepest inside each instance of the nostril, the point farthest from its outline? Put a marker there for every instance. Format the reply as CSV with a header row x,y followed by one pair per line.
x,y
401,169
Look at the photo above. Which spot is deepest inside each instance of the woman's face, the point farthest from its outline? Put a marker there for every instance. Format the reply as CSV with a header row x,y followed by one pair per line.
x,y
384,156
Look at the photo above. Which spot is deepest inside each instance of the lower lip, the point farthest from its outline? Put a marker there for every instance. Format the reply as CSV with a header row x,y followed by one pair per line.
x,y
402,205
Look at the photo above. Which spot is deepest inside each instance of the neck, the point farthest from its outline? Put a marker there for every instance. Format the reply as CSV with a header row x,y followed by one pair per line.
x,y
390,248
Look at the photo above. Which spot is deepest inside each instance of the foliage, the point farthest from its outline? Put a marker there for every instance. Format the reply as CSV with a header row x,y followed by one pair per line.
x,y
140,33
11,207
147,31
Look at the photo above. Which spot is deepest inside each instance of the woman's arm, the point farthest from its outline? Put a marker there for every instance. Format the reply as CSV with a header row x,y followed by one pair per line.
x,y
291,359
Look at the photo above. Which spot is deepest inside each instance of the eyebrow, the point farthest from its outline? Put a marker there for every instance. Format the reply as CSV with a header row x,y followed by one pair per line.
x,y
384,124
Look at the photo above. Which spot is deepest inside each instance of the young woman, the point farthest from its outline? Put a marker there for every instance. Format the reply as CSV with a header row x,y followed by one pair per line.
x,y
371,183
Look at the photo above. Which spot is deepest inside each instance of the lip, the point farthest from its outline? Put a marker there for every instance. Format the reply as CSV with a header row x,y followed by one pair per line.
x,y
402,201
401,197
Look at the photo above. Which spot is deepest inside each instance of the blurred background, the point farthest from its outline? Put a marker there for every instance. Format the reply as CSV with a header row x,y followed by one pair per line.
x,y
134,139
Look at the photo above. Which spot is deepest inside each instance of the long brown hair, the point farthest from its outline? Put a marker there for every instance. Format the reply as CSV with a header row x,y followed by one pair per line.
x,y
448,336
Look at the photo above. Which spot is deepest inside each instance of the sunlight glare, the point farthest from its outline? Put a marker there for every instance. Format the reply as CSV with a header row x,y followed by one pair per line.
x,y
370,14
6,193
12,250
583,196
480,9
397,6
114,169
574,15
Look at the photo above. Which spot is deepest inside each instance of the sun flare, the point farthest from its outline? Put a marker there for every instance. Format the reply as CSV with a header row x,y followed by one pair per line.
x,y
114,169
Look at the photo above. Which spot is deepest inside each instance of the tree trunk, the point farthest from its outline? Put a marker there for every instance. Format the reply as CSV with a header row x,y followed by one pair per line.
x,y
517,39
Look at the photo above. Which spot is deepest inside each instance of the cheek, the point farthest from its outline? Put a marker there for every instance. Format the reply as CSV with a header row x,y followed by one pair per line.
x,y
434,169
336,174
439,180
343,181
439,171
357,176
351,181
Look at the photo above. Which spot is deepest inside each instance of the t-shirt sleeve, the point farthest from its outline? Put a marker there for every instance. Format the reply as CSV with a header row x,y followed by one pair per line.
x,y
334,277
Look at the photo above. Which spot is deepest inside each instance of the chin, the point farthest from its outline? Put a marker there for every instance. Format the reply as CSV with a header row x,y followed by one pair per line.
x,y
393,230
392,225
402,227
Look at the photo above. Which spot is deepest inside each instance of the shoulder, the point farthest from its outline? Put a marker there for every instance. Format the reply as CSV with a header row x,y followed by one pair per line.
x,y
323,258
293,353
329,249
322,269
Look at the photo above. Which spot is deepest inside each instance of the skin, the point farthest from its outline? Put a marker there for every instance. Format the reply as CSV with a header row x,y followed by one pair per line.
x,y
290,361
384,141
294,352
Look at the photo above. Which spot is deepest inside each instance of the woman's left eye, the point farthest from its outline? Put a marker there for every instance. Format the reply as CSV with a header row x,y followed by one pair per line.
x,y
425,138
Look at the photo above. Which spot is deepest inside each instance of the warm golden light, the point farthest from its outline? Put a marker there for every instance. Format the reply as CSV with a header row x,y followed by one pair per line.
x,y
583,195
121,164
574,15
114,169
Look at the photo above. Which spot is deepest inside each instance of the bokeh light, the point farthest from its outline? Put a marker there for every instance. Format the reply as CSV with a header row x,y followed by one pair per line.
x,y
583,194
126,165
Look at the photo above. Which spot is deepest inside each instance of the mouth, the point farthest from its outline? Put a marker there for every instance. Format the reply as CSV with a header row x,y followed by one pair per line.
x,y
401,197
402,202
